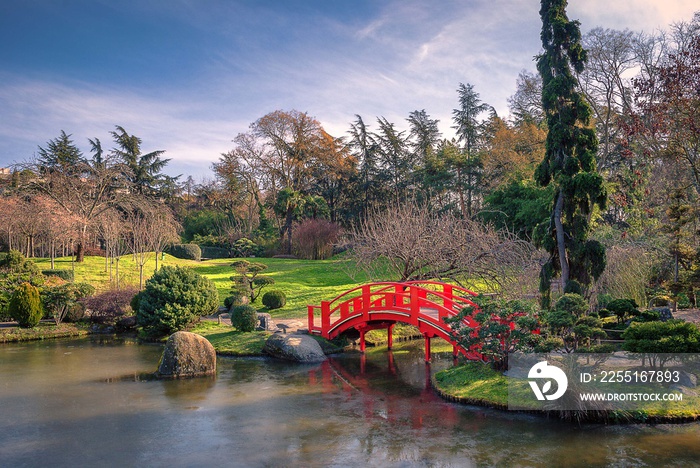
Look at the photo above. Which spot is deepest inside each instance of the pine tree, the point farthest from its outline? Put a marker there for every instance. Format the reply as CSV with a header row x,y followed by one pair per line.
x,y
470,132
60,154
569,162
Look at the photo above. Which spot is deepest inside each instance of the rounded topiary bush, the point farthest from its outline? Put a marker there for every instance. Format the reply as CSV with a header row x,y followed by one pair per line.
x,y
25,306
186,251
244,318
274,299
174,298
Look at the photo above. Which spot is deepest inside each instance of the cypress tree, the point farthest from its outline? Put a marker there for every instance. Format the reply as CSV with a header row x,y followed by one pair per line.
x,y
25,306
569,162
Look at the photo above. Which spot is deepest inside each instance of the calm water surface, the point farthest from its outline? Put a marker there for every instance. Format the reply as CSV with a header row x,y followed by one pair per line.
x,y
86,403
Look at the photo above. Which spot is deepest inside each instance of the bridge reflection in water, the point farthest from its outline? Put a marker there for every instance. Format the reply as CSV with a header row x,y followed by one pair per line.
x,y
396,404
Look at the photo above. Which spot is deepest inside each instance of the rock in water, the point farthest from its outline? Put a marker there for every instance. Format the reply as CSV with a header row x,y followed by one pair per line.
x,y
187,355
300,348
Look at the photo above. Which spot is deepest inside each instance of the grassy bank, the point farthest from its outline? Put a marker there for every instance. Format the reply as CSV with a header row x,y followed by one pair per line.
x,y
473,383
477,384
42,331
229,342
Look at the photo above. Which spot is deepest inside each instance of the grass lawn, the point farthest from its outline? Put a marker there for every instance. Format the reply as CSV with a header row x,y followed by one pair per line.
x,y
227,341
475,383
303,281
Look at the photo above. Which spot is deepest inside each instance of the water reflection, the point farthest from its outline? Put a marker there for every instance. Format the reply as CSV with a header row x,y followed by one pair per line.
x,y
382,392
61,404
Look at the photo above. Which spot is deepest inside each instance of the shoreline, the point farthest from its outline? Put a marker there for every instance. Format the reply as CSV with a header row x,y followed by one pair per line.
x,y
11,333
14,334
494,383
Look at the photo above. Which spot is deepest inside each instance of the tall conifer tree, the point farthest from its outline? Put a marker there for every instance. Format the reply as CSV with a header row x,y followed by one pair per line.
x,y
569,162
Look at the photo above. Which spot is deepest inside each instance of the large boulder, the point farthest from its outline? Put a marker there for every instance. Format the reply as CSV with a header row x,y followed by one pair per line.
x,y
299,348
187,355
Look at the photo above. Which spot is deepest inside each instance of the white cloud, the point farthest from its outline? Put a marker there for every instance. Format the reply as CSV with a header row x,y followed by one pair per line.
x,y
641,15
36,111
411,55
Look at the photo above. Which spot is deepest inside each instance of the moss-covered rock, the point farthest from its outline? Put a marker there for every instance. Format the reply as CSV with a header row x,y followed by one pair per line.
x,y
187,355
299,348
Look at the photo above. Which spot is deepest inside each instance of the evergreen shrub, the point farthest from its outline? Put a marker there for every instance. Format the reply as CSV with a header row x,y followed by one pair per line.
x,y
66,275
623,308
274,299
244,318
174,299
25,306
185,251
674,336
214,252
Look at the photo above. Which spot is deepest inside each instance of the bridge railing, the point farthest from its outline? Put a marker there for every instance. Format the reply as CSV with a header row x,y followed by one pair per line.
x,y
409,297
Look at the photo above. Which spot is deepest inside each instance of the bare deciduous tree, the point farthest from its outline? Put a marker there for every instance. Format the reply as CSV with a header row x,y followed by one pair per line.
x,y
627,271
152,227
58,227
162,230
409,242
9,214
111,227
139,239
83,193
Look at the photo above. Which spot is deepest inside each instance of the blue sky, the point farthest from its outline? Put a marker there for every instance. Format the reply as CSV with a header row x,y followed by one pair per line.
x,y
188,75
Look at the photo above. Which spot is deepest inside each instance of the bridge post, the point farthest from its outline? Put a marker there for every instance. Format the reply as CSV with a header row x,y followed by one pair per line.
x,y
366,299
415,304
325,318
447,291
310,311
390,337
362,340
427,347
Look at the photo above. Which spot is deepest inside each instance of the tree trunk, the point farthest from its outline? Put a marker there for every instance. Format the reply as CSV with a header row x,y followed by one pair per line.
x,y
288,227
561,242
79,252
460,190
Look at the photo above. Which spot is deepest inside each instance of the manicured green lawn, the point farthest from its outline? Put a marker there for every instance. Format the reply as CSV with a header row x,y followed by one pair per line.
x,y
227,341
304,282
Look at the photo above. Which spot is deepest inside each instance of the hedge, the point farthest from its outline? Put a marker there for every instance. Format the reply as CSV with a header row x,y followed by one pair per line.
x,y
63,274
186,251
214,252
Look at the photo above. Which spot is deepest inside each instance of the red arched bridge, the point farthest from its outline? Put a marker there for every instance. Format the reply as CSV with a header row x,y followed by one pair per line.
x,y
423,304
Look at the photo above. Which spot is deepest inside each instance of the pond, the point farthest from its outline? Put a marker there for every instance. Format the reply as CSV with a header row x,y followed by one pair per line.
x,y
89,402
